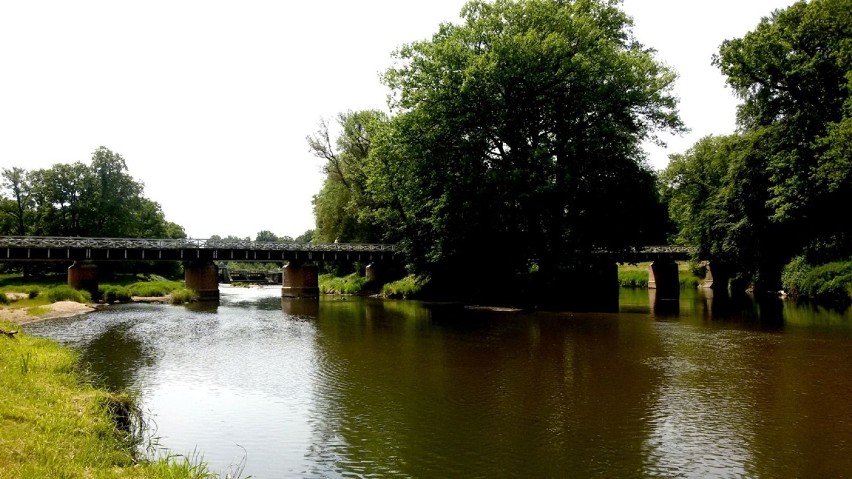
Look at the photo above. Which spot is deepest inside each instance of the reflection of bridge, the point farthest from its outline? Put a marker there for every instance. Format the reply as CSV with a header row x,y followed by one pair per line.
x,y
299,276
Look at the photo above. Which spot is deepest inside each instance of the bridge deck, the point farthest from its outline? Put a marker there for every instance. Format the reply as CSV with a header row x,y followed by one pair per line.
x,y
47,248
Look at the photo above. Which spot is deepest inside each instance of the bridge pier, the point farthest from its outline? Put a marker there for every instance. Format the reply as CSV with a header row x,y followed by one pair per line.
x,y
203,278
299,280
84,275
663,277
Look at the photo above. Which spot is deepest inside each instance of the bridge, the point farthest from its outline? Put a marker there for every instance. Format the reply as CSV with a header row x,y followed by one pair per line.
x,y
198,255
299,275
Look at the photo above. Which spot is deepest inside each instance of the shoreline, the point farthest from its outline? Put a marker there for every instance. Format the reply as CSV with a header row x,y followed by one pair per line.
x,y
62,309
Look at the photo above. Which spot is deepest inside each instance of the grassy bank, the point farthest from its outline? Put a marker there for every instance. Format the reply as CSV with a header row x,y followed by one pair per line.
x,y
636,275
53,423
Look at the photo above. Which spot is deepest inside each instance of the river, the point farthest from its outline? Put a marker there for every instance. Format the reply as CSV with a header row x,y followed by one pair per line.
x,y
702,387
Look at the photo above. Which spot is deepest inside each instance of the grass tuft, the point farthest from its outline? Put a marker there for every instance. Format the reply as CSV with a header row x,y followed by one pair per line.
x,y
182,295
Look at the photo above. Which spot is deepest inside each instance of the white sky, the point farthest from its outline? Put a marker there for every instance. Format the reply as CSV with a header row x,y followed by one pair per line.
x,y
209,102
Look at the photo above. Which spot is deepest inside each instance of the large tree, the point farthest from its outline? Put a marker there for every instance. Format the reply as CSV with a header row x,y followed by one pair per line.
x,y
516,138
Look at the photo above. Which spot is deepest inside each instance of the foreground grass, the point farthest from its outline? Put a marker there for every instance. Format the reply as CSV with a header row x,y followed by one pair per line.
x,y
53,423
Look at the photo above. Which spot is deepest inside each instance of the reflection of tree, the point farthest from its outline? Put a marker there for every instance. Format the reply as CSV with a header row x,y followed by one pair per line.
x,y
116,355
460,393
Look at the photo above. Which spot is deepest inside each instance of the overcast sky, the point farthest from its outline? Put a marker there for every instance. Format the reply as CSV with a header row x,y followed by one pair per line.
x,y
209,102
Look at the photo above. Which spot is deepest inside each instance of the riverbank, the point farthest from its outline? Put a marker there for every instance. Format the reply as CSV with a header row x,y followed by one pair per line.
x,y
54,423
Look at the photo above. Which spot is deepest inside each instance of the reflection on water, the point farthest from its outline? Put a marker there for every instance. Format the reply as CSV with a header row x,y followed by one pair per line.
x,y
705,386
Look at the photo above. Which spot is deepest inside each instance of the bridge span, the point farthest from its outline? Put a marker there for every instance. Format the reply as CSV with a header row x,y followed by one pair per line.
x,y
299,275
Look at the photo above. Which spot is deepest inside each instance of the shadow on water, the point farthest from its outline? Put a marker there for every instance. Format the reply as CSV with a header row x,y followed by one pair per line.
x,y
116,356
203,307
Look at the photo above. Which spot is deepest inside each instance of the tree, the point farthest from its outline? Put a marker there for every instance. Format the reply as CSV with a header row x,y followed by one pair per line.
x,y
342,206
516,139
19,207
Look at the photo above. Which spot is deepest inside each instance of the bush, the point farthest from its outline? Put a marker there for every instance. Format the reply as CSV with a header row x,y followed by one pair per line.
x,y
831,282
351,284
406,288
182,295
3,298
153,288
112,293
67,293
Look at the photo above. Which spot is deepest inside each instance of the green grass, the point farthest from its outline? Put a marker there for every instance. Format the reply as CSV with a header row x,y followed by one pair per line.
x,y
182,295
351,284
636,275
407,288
54,423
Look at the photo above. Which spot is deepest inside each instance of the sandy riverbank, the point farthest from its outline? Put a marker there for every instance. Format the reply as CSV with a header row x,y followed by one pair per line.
x,y
59,309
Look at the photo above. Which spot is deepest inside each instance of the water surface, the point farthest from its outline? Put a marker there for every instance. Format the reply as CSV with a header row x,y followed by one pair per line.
x,y
701,387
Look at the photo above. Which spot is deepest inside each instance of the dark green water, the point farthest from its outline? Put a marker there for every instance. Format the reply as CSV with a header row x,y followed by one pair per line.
x,y
357,388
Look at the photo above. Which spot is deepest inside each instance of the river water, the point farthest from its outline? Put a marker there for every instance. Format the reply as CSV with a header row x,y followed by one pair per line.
x,y
703,387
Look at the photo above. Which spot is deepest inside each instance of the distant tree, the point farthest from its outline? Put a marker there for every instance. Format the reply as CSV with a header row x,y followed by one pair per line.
x,y
266,236
18,207
305,237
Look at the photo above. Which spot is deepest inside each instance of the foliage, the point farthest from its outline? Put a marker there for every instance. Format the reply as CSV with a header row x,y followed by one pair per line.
x,y
99,199
757,199
515,135
342,206
350,284
406,288
113,293
67,293
830,282
182,295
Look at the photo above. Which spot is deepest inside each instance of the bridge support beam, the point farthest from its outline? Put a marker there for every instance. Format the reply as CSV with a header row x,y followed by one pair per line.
x,y
203,278
300,280
84,275
663,276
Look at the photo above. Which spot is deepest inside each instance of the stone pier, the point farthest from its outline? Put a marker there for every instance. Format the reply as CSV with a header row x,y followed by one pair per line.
x,y
84,275
663,277
203,278
300,280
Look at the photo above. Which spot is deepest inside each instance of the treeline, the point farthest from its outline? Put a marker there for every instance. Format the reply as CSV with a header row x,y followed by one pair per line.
x,y
773,201
512,149
99,199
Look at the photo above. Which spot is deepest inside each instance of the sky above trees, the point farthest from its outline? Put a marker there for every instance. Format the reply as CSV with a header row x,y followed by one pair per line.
x,y
210,103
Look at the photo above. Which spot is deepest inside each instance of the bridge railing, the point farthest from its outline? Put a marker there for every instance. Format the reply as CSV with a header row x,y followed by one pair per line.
x,y
183,243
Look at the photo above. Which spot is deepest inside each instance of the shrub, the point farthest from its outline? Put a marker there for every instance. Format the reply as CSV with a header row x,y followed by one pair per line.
x,y
3,298
351,284
67,293
830,282
406,288
182,295
33,293
112,293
